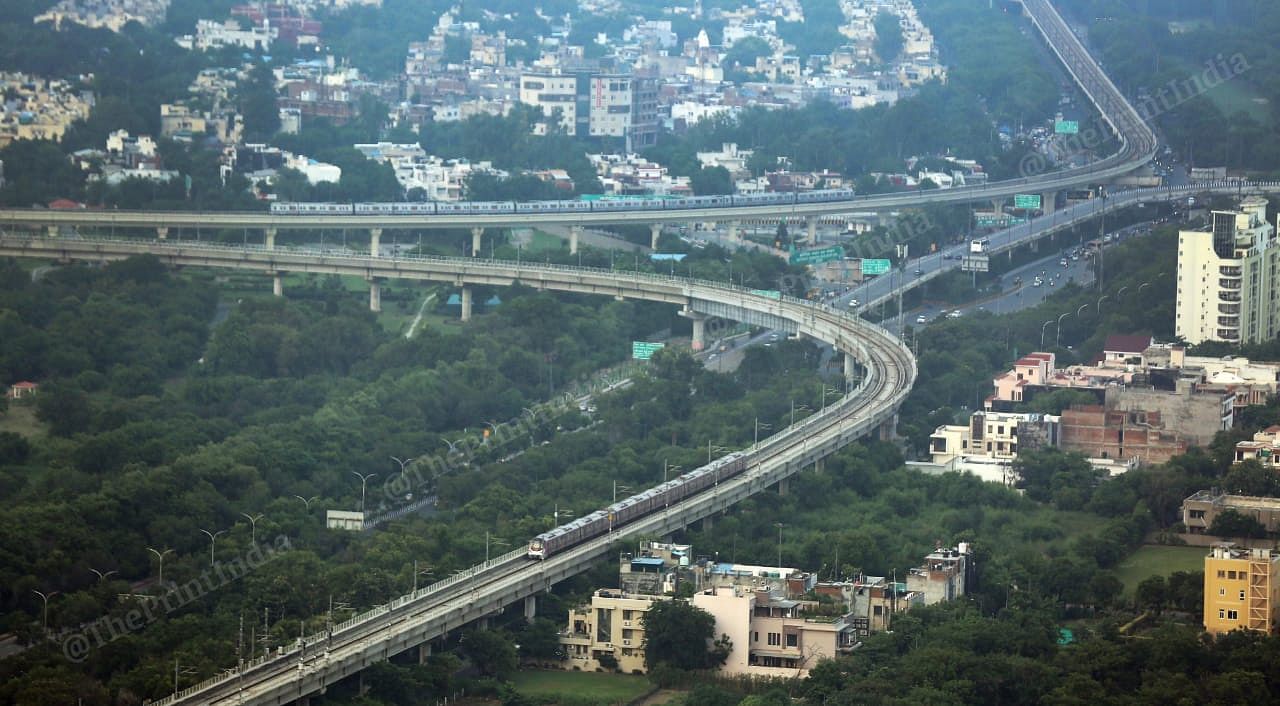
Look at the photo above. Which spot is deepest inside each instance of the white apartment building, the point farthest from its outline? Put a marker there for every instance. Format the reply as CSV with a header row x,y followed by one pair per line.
x,y
598,105
1227,278
215,35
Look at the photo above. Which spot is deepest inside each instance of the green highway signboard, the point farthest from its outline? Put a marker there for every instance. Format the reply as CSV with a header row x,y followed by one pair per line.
x,y
1066,127
874,267
644,350
1026,201
818,256
770,293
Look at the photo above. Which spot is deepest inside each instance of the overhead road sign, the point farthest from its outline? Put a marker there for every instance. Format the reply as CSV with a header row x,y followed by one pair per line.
x,y
874,267
770,293
644,350
975,263
1066,127
1028,201
816,257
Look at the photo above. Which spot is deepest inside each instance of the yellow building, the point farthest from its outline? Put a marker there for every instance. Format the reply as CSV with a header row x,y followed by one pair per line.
x,y
607,634
1241,589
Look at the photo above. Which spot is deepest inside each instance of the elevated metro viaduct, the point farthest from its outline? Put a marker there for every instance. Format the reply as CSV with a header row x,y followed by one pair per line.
x,y
888,373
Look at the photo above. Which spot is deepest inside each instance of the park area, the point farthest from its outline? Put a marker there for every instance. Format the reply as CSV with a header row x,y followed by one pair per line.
x,y
580,688
1158,560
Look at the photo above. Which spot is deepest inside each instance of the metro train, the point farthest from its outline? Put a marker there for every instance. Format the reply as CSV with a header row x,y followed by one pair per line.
x,y
636,506
449,208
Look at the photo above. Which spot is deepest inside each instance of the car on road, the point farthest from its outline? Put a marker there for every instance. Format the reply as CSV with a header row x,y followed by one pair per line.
x,y
773,337
955,314
919,272
922,319
1064,262
853,303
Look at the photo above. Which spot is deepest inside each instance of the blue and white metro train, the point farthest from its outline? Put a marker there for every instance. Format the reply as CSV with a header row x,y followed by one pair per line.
x,y
470,208
637,506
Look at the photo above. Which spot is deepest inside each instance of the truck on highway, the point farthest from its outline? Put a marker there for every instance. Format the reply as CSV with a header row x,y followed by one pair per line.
x,y
978,245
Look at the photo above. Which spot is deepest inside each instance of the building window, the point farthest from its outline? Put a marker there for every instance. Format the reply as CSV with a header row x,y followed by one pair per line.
x,y
1231,575
1242,595
1221,614
775,639
755,636
1222,591
1233,615
793,640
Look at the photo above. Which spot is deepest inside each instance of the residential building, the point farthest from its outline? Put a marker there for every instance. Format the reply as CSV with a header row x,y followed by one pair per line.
x,y
104,14
597,104
730,157
771,635
1241,590
35,108
1265,448
872,601
608,633
1118,435
942,577
24,388
1201,508
1228,278
1195,415
988,445
216,35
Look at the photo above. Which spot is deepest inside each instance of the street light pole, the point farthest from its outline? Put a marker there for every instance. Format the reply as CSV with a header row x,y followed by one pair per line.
x,y
363,480
779,525
213,539
160,556
253,526
44,624
307,501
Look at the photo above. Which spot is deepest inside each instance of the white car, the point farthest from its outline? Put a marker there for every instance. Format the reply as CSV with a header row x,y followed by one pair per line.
x,y
853,303
922,319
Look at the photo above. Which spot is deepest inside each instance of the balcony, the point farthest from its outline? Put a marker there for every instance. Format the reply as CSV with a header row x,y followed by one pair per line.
x,y
1228,308
1229,271
1229,283
1229,296
1233,321
1228,334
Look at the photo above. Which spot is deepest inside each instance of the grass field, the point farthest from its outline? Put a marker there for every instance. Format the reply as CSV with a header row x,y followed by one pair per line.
x,y
603,688
1153,560
21,419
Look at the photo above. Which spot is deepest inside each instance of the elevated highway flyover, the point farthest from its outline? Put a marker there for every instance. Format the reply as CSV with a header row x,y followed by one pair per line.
x,y
308,667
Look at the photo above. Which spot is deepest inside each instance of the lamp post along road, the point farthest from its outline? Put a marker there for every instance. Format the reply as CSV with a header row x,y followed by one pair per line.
x,y
160,556
213,539
364,479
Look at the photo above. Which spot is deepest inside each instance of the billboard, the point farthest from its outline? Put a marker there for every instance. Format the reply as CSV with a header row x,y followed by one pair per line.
x,y
818,256
1066,127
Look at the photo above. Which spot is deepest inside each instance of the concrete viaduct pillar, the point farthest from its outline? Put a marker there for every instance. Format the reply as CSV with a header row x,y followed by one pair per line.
x,y
375,296
1049,202
655,231
575,232
997,206
375,238
162,232
466,303
811,228
888,430
784,485
530,608
271,238
732,231
476,234
850,369
424,652
699,327
277,284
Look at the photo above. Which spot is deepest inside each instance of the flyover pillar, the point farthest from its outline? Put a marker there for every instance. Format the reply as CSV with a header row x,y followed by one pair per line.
x,y
888,430
466,303
271,238
476,234
997,206
424,652
732,231
375,238
530,608
575,232
52,231
655,231
811,228
162,232
849,369
277,285
1049,202
699,327
375,296
784,485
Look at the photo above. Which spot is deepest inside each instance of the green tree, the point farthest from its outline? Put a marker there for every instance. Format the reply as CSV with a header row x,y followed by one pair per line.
x,y
492,651
1231,523
680,635
711,181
